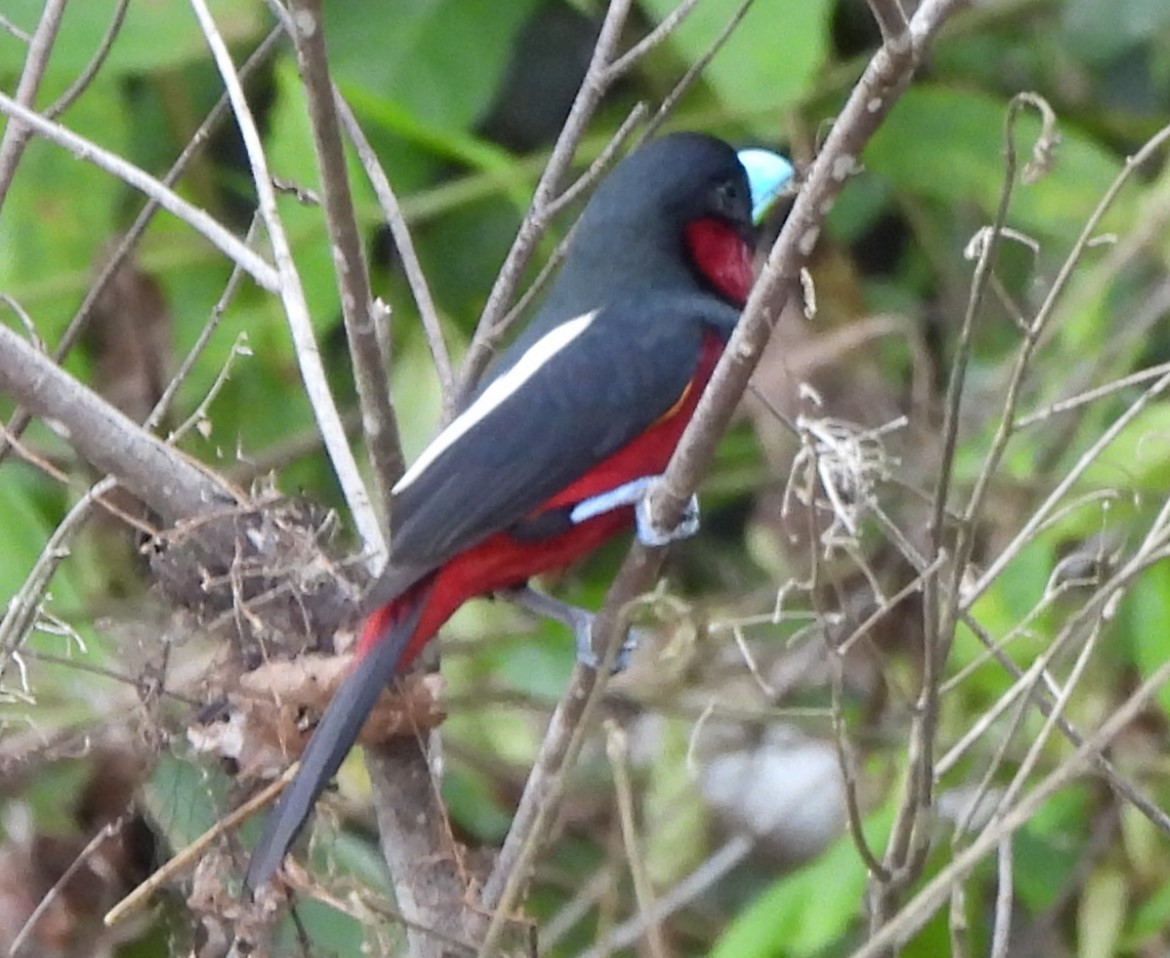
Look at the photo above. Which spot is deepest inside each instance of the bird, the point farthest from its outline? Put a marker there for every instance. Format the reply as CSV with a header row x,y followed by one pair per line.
x,y
554,451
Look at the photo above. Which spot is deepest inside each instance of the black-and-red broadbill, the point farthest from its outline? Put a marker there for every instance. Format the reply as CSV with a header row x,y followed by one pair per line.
x,y
553,453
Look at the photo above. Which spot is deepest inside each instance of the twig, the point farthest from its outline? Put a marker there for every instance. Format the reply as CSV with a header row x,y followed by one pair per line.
x,y
681,895
292,296
1044,698
573,192
966,533
104,834
199,413
1001,927
172,388
9,27
1032,757
1092,395
408,256
36,60
617,747
695,71
658,35
916,912
558,750
905,849
86,77
190,854
21,613
846,762
379,422
1028,531
890,16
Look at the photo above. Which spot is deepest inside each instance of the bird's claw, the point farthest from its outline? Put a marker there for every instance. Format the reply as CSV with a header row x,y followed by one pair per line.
x,y
583,636
650,534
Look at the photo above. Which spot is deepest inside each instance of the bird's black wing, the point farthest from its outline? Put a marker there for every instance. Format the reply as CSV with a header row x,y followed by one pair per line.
x,y
552,417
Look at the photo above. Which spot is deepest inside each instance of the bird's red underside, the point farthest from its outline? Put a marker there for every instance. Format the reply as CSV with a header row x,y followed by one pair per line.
x,y
501,562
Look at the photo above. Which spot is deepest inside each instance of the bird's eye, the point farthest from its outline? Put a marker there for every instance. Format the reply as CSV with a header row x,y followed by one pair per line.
x,y
728,192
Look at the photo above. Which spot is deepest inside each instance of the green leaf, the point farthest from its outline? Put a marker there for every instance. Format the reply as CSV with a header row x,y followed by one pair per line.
x,y
1139,457
183,800
440,60
153,36
1145,612
771,59
805,912
62,210
948,145
1150,920
1101,31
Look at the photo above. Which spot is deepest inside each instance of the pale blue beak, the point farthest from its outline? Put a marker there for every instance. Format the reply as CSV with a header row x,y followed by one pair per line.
x,y
768,175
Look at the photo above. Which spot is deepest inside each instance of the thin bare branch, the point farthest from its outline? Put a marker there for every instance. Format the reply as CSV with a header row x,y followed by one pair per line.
x,y
663,29
695,71
924,903
172,388
296,309
21,613
415,278
682,894
103,835
617,747
379,421
890,17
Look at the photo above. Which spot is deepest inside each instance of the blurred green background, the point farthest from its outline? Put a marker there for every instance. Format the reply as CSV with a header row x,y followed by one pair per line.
x,y
462,100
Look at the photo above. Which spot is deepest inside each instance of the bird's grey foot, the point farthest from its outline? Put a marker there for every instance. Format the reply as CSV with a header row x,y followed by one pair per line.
x,y
650,534
578,620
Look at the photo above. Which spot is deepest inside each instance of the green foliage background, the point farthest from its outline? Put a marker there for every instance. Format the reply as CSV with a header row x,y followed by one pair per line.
x,y
423,75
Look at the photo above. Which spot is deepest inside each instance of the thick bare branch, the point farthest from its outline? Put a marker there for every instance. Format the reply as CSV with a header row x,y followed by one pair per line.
x,y
170,483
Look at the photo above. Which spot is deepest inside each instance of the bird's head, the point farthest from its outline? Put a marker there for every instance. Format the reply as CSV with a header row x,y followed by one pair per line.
x,y
678,211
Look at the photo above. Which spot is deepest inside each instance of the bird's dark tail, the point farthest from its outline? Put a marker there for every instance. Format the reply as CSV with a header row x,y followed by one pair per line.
x,y
334,736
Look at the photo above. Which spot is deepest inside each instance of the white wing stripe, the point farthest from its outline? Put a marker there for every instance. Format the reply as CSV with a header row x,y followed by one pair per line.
x,y
491,398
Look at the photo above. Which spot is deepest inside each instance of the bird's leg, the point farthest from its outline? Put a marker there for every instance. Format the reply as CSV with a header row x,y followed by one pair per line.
x,y
634,493
578,620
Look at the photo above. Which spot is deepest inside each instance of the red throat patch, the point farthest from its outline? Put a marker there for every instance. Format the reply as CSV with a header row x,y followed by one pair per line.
x,y
721,255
